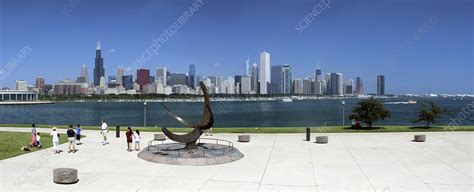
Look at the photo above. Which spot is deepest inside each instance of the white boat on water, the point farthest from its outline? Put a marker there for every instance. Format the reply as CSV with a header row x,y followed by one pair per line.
x,y
287,100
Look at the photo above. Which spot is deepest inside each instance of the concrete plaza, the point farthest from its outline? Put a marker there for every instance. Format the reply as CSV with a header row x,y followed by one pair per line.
x,y
272,162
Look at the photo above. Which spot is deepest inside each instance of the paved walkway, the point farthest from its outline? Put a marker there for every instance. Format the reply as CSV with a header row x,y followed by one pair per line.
x,y
272,162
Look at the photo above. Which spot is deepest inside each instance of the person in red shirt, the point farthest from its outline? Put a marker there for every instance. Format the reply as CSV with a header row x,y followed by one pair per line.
x,y
129,135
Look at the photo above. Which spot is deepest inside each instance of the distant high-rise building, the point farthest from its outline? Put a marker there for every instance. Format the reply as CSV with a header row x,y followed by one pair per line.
x,y
120,73
254,78
308,86
318,76
218,82
40,85
127,82
247,66
281,79
102,83
264,72
337,84
161,75
327,78
143,77
237,83
319,87
229,87
245,85
297,86
192,76
276,84
359,86
21,85
380,85
348,88
99,70
177,79
84,73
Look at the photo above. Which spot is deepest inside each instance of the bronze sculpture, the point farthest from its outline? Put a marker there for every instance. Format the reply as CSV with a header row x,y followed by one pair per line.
x,y
206,122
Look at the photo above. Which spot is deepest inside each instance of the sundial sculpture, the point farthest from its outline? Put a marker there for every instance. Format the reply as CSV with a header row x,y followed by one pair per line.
x,y
206,122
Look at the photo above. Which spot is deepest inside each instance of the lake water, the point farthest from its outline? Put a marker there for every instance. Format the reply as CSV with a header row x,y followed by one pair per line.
x,y
227,114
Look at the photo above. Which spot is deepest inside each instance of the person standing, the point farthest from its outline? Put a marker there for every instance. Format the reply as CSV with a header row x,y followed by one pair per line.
x,y
104,130
137,138
33,135
78,134
55,136
71,139
129,135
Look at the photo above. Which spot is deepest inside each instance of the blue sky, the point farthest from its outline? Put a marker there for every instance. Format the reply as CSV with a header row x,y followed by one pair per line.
x,y
420,46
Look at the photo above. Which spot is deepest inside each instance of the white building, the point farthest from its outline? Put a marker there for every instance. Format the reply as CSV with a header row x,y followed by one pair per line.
x,y
84,73
245,86
161,76
21,85
229,85
102,82
264,72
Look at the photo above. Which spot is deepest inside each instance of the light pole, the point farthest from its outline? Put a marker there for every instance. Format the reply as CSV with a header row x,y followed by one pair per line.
x,y
144,114
343,103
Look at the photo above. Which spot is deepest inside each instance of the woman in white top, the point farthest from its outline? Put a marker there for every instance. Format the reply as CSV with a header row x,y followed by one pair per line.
x,y
55,136
136,139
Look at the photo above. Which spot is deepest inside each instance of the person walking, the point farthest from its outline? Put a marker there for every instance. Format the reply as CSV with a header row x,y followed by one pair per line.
x,y
55,137
71,139
78,134
137,138
38,140
104,130
129,135
33,135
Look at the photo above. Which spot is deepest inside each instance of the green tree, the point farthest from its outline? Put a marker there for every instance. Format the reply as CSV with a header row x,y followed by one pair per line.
x,y
369,111
430,112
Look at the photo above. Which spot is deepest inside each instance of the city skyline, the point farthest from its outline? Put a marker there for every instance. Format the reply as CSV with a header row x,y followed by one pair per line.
x,y
363,42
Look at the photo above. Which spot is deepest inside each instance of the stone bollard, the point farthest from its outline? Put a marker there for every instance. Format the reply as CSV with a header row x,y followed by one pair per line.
x,y
322,139
159,137
308,134
244,138
65,176
419,138
117,131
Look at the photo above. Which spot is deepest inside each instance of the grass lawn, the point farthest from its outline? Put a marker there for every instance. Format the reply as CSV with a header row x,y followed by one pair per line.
x,y
330,129
11,143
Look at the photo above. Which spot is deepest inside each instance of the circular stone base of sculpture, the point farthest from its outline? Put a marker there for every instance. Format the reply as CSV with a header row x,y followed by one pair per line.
x,y
175,154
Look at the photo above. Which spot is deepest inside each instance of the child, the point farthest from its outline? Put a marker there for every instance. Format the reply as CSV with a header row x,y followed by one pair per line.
x,y
78,134
38,140
137,138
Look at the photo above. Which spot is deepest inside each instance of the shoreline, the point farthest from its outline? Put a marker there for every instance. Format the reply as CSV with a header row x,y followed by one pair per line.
x,y
26,102
272,130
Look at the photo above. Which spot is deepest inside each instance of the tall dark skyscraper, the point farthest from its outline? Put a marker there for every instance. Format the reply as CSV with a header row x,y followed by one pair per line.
x,y
318,76
192,76
99,70
143,77
380,85
359,86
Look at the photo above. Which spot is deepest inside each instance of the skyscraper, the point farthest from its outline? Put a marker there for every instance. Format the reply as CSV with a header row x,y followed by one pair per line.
x,y
348,87
40,85
21,85
162,75
308,86
127,82
245,84
337,84
297,86
247,65
380,85
143,77
359,86
264,72
120,72
84,74
276,84
99,70
318,76
192,76
254,78
177,79
281,79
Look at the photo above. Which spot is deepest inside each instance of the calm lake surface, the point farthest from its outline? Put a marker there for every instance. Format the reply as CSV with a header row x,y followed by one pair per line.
x,y
227,114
